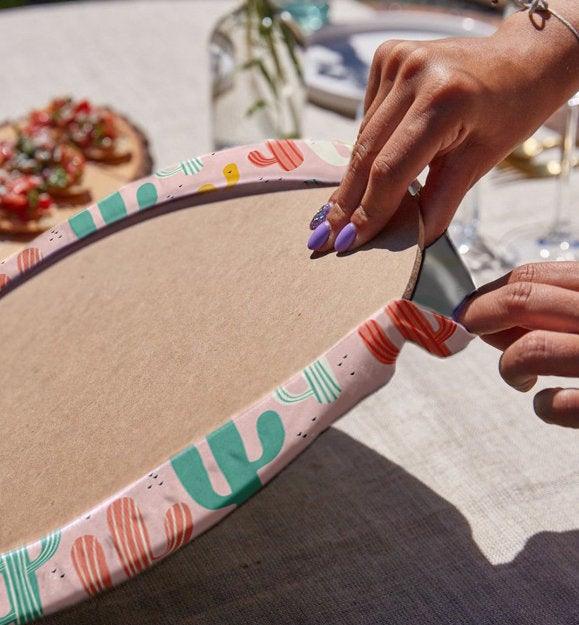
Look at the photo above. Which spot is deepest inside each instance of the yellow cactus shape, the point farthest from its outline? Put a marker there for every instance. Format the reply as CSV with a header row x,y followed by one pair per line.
x,y
231,174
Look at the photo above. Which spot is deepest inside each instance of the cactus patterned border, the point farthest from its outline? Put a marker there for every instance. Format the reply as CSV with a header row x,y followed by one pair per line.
x,y
270,166
199,486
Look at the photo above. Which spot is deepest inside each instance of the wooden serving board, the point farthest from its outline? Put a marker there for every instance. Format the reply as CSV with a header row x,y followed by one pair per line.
x,y
99,180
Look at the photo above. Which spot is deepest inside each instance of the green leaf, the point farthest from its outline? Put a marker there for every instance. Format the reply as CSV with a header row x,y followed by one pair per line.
x,y
266,75
58,178
33,196
291,44
256,106
274,56
249,64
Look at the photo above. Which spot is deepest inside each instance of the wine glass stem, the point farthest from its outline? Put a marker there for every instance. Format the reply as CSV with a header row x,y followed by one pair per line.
x,y
471,213
563,218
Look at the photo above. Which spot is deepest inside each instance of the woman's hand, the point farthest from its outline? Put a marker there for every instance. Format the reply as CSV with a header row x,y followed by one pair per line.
x,y
532,316
458,105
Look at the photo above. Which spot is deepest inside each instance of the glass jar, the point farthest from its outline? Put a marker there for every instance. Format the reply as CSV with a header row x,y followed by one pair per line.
x,y
257,86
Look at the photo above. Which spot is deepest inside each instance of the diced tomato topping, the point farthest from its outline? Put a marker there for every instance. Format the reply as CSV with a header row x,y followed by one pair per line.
x,y
14,200
22,197
6,151
44,201
48,155
83,106
21,185
39,118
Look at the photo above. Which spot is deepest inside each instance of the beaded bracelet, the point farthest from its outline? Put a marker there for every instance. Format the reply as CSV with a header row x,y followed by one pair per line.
x,y
542,6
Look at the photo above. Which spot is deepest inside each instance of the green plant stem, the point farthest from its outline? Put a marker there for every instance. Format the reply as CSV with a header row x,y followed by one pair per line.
x,y
268,23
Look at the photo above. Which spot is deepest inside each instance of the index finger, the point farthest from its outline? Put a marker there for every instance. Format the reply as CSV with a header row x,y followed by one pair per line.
x,y
558,273
521,304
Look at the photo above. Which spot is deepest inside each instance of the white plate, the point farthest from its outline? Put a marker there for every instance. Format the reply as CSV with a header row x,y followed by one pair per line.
x,y
338,58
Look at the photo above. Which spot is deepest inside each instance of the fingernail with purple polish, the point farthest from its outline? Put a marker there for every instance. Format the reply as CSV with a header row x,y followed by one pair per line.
x,y
319,236
345,238
320,216
459,308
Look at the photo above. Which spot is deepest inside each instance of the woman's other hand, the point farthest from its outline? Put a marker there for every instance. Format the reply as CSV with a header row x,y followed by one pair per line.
x,y
532,316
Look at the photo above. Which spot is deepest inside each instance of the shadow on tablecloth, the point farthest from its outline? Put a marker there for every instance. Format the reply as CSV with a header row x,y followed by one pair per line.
x,y
345,536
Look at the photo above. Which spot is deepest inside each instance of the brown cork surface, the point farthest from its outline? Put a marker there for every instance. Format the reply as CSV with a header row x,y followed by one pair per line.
x,y
128,349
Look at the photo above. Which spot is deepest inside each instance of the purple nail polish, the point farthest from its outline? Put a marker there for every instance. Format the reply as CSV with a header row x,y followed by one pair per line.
x,y
320,216
319,236
459,308
345,238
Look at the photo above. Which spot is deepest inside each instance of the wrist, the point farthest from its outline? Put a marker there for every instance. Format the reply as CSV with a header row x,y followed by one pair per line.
x,y
543,50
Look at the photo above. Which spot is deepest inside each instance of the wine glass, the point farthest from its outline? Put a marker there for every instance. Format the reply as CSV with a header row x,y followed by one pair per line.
x,y
559,239
484,259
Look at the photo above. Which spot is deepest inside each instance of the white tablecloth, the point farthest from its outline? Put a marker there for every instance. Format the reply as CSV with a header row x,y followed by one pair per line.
x,y
491,492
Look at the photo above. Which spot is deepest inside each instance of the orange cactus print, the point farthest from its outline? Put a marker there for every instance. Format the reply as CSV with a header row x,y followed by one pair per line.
x,y
90,563
130,536
414,326
178,526
131,541
28,258
285,153
379,345
4,280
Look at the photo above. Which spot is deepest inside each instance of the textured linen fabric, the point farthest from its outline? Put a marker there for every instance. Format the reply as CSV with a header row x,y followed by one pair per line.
x,y
345,535
440,499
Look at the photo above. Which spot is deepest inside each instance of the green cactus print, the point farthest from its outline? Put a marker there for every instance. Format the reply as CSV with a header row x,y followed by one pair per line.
x,y
21,585
147,195
190,167
229,452
321,384
82,224
112,208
